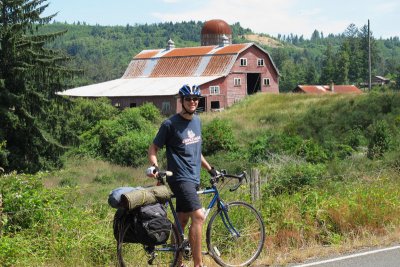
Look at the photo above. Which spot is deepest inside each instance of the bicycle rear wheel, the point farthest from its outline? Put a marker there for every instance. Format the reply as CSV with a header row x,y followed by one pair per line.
x,y
229,249
138,255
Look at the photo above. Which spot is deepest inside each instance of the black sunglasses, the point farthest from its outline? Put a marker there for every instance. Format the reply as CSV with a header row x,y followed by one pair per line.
x,y
191,98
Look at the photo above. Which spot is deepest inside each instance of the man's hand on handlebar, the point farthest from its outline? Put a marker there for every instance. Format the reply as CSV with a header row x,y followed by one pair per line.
x,y
152,171
213,172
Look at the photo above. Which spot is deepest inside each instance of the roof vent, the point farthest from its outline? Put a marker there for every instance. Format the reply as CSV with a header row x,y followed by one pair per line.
x,y
170,44
224,40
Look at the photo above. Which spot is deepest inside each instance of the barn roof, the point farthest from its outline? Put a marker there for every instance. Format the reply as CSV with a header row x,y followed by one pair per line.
x,y
323,89
163,71
188,61
137,87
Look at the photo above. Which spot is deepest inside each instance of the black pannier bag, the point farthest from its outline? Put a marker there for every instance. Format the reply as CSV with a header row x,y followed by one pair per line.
x,y
147,225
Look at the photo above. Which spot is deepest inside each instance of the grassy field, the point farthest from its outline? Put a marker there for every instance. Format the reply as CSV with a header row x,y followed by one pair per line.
x,y
62,218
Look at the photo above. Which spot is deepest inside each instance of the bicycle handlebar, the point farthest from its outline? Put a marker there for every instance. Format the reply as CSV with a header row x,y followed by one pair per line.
x,y
222,175
161,177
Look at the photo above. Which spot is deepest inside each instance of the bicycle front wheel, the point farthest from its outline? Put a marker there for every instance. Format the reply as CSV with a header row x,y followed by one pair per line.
x,y
138,255
238,238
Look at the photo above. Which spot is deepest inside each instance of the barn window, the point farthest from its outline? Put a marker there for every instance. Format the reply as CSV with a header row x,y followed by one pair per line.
x,y
243,62
237,81
215,105
132,105
214,90
166,106
117,104
260,62
266,82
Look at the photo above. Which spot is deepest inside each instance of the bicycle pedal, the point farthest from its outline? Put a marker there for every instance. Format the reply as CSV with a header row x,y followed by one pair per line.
x,y
152,257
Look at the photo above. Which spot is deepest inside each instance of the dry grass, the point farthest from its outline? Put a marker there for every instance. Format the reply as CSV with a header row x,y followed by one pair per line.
x,y
278,256
85,171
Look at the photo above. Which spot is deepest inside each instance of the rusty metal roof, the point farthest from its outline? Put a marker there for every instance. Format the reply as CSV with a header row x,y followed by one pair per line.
x,y
188,61
323,89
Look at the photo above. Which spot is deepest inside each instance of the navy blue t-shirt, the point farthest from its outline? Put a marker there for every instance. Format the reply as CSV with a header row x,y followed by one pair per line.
x,y
182,139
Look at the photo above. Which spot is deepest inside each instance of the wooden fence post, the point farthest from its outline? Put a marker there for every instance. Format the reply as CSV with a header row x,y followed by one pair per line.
x,y
255,184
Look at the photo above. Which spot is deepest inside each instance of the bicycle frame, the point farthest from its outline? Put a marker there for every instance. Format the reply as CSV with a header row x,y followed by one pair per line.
x,y
215,200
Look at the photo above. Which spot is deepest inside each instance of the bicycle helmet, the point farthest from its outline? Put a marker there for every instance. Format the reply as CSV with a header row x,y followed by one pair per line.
x,y
186,90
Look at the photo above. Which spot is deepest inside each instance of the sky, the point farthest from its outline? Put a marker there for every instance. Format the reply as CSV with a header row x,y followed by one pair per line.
x,y
271,17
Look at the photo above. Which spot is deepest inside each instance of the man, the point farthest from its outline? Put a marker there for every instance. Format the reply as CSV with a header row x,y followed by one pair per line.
x,y
181,135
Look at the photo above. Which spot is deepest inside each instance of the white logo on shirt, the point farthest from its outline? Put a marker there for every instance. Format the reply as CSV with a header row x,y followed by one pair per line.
x,y
192,138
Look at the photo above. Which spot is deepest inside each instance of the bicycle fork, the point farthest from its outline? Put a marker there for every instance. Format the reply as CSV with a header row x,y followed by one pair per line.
x,y
227,222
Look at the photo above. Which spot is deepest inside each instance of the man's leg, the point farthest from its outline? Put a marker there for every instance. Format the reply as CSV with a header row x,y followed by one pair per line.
x,y
195,235
183,218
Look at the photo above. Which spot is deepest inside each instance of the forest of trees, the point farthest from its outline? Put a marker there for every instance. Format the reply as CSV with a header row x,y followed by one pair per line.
x,y
104,52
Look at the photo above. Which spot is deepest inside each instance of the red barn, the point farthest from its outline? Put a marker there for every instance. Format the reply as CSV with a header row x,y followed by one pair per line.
x,y
225,72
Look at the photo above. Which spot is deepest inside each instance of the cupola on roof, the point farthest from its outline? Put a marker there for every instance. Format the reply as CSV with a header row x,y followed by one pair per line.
x,y
216,26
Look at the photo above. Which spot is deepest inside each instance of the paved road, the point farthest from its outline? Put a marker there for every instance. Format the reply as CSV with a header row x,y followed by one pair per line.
x,y
383,257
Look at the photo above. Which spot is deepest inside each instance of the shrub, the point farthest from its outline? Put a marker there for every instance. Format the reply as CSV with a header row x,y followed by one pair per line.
x,y
83,115
312,152
218,136
293,177
269,144
354,138
150,112
378,139
98,140
343,151
107,138
132,119
131,149
25,199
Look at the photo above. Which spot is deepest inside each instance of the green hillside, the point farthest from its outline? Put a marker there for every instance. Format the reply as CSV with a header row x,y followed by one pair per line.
x,y
330,166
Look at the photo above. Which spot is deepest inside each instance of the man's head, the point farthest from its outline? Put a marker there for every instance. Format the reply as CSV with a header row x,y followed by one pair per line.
x,y
190,98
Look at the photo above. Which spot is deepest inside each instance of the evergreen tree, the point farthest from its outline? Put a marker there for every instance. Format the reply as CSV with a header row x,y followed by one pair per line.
x,y
343,64
397,84
311,74
29,76
315,36
363,39
328,67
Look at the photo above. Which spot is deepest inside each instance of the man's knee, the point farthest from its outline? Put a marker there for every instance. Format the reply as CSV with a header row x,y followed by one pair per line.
x,y
198,217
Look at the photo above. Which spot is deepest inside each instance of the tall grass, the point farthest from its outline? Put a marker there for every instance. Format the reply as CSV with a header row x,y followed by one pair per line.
x,y
64,219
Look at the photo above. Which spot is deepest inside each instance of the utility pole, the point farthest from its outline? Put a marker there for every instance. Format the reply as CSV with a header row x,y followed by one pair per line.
x,y
369,58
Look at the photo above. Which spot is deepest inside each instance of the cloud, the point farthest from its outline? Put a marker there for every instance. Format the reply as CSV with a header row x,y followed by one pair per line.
x,y
170,1
278,16
271,17
388,7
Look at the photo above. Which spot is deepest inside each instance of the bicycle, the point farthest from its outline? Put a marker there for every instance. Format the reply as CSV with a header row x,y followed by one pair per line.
x,y
235,233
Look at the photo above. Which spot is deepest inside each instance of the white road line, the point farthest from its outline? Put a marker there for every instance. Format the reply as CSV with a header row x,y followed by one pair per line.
x,y
348,257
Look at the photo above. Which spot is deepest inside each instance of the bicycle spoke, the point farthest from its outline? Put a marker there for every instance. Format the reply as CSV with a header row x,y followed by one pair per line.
x,y
229,249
